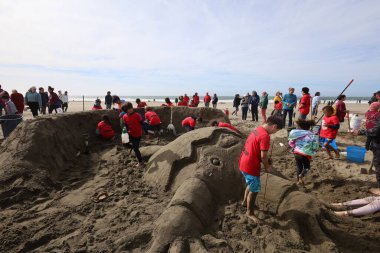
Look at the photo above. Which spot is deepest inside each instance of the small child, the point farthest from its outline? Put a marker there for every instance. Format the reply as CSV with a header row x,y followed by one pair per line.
x,y
227,113
305,145
10,107
277,108
370,119
329,131
190,122
153,121
104,129
133,122
97,105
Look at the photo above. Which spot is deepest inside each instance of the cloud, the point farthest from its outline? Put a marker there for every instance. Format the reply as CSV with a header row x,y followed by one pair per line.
x,y
164,47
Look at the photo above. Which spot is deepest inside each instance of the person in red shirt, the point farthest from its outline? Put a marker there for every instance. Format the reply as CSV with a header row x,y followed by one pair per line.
x,y
18,100
133,123
254,153
196,99
182,101
140,104
186,99
192,104
104,129
277,108
340,106
190,122
329,130
207,100
153,121
97,105
226,125
168,102
305,103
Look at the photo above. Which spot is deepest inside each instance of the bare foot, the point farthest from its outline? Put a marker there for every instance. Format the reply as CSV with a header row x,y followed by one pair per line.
x,y
375,191
253,218
342,213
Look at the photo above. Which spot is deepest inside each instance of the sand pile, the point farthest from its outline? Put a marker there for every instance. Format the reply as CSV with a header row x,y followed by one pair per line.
x,y
54,198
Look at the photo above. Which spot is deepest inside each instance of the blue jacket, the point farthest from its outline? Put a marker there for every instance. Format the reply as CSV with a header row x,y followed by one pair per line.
x,y
33,97
289,99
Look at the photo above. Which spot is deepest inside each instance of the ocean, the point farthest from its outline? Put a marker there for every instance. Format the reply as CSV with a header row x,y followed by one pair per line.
x,y
222,99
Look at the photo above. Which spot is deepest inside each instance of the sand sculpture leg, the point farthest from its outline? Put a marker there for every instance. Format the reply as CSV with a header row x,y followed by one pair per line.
x,y
201,169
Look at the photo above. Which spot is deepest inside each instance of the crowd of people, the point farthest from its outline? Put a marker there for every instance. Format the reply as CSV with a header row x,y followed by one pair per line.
x,y
38,102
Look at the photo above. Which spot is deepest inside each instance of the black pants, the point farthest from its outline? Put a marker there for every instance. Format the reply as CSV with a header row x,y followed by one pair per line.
x,y
255,113
34,107
136,147
290,112
51,108
376,162
303,165
244,111
65,106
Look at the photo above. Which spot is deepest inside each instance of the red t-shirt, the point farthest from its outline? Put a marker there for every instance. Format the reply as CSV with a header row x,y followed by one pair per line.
x,y
340,110
141,105
207,99
196,100
153,118
133,122
370,119
226,125
250,158
182,103
278,106
327,132
186,99
105,130
18,100
189,121
96,107
305,101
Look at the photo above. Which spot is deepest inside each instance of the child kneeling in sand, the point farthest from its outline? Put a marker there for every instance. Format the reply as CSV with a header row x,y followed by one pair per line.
x,y
104,129
254,153
329,130
305,145
190,122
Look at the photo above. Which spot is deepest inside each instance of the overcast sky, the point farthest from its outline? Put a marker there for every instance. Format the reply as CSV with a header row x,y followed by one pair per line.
x,y
169,47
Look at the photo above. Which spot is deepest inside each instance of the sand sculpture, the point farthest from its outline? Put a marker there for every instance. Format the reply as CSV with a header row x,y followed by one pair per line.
x,y
186,201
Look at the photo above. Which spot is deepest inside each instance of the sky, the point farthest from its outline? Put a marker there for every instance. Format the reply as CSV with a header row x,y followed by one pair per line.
x,y
171,47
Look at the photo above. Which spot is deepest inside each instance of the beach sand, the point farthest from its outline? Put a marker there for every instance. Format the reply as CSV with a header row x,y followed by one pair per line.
x,y
52,193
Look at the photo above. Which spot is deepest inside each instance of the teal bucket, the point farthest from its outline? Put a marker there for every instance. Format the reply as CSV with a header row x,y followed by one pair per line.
x,y
356,154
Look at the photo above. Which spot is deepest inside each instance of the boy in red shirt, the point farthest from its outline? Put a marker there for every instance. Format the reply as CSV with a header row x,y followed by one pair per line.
x,y
254,153
140,104
196,99
133,123
226,125
304,107
190,122
329,130
104,129
186,99
153,121
207,100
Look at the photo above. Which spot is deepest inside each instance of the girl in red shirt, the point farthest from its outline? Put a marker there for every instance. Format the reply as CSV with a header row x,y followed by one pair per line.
x,y
133,123
329,130
104,129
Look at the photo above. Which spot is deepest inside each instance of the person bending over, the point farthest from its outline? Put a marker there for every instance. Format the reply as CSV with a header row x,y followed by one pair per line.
x,y
104,129
190,122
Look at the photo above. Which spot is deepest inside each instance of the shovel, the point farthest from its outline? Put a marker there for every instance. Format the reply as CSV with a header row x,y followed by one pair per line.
x,y
171,127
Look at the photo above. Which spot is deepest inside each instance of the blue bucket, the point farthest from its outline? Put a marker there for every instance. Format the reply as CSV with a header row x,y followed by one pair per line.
x,y
356,154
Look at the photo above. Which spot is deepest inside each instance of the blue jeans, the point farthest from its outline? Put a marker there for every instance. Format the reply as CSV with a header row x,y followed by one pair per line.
x,y
290,112
302,116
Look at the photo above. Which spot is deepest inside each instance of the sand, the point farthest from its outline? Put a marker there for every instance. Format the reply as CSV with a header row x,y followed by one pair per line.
x,y
187,199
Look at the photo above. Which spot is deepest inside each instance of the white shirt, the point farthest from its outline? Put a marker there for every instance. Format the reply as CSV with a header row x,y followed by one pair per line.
x,y
316,99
